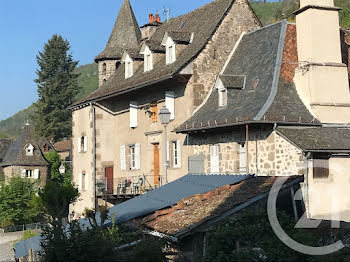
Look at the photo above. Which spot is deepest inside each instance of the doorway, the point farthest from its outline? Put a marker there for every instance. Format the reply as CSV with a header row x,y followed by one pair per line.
x,y
109,178
156,164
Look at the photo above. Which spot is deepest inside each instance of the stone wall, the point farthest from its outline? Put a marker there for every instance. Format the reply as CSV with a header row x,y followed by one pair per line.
x,y
11,171
110,69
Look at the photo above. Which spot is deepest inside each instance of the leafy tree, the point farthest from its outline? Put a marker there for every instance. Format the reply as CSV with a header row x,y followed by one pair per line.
x,y
55,162
19,203
57,87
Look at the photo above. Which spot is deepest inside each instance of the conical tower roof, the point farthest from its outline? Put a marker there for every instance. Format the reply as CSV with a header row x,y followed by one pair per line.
x,y
125,34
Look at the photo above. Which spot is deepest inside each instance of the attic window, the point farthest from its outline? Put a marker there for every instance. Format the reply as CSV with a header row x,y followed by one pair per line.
x,y
148,60
222,97
128,68
29,150
170,54
104,68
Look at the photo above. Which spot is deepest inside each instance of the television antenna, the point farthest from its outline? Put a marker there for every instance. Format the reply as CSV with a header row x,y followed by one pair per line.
x,y
167,12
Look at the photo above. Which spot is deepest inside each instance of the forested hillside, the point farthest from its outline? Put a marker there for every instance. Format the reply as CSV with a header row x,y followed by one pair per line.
x,y
87,81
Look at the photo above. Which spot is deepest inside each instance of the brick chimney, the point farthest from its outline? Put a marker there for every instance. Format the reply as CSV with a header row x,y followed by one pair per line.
x,y
321,77
149,28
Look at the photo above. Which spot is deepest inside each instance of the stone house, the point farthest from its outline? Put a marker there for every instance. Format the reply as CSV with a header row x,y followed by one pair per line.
x,y
25,158
281,106
117,136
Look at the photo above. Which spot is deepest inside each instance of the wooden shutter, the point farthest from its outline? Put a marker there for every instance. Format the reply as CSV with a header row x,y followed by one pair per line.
x,y
80,181
178,145
154,111
36,173
122,158
23,173
133,114
214,159
86,181
170,103
85,144
137,156
320,168
79,144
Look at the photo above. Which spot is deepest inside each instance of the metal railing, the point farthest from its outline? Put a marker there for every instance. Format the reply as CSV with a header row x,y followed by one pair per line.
x,y
131,185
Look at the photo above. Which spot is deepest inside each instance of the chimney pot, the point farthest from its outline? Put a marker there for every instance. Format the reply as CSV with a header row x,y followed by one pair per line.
x,y
157,18
151,18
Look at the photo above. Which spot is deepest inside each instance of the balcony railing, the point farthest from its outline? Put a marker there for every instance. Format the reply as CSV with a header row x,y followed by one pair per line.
x,y
125,186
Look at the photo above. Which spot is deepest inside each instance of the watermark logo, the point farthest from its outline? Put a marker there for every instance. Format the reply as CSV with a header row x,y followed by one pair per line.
x,y
303,222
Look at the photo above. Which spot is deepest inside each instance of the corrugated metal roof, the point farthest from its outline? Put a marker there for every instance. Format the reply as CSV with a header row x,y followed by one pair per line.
x,y
156,199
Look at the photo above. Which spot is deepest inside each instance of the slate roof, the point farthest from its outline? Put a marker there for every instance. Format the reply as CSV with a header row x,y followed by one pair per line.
x,y
318,139
203,22
4,146
155,47
267,95
125,34
180,37
16,155
195,210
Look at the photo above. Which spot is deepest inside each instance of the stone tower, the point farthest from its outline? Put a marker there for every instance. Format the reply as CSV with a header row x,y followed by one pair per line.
x,y
125,34
322,77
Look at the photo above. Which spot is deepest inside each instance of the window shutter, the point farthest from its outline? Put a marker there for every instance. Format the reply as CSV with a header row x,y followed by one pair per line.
x,y
242,159
23,173
178,142
80,181
86,181
170,103
122,158
85,144
79,144
320,168
167,151
36,173
214,159
133,114
137,156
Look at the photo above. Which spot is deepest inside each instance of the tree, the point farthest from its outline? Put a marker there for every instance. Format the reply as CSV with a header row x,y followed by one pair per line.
x,y
55,162
57,86
19,203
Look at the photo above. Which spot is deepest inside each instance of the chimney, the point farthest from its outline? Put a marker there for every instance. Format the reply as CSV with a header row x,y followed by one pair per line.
x,y
321,77
157,18
151,18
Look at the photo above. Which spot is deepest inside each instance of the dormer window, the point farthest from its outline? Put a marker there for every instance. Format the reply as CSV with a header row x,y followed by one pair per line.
x,y
222,97
170,54
147,57
29,150
171,40
129,69
148,62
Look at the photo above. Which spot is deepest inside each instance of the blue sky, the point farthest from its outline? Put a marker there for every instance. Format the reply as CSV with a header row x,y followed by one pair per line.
x,y
27,24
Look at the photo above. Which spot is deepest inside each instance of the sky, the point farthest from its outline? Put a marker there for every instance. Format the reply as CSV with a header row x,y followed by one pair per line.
x,y
25,25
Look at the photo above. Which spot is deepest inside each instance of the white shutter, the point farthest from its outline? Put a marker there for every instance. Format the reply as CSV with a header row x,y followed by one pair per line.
x,y
79,144
167,151
214,159
36,173
122,158
242,159
178,142
23,173
133,114
85,144
86,181
137,156
170,103
80,182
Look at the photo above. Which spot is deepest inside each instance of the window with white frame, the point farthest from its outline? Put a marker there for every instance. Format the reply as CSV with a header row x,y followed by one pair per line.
x,y
129,67
29,150
170,103
242,158
133,114
222,97
30,173
170,54
148,59
132,157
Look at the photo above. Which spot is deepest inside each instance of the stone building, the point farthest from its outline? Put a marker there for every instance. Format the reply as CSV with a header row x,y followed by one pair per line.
x,y
281,106
25,158
117,136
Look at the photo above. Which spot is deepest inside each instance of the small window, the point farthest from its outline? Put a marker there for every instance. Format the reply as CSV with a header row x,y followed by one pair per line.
x,y
222,97
321,168
82,142
132,157
154,112
148,62
83,182
29,173
29,150
175,154
129,69
117,64
104,68
170,53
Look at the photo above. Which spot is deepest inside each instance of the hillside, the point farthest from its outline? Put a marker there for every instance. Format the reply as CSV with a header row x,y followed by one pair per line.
x,y
87,81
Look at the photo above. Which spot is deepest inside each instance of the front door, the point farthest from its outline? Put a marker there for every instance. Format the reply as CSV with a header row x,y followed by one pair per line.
x,y
156,164
109,178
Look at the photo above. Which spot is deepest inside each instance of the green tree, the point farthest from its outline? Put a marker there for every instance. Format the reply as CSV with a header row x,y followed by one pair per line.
x,y
55,162
57,87
19,203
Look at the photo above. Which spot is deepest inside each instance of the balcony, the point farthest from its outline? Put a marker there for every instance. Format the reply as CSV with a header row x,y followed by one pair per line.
x,y
125,187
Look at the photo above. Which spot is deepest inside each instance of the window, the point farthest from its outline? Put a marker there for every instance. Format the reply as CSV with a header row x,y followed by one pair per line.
x,y
82,144
214,159
128,68
154,112
148,62
170,103
117,64
29,173
222,97
132,157
29,150
83,185
170,54
133,114
104,68
83,181
321,168
176,154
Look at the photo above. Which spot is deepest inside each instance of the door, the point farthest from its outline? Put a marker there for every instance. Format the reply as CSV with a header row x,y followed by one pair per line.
x,y
109,178
156,164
